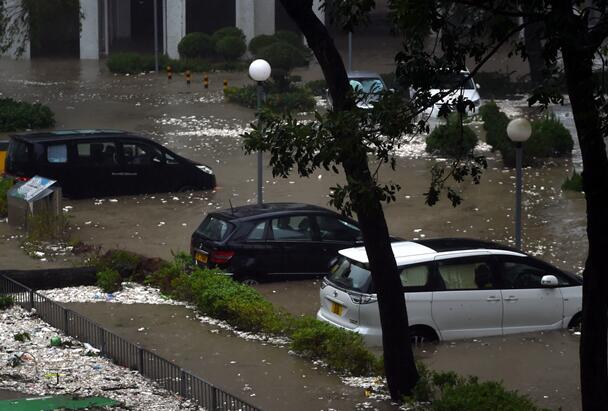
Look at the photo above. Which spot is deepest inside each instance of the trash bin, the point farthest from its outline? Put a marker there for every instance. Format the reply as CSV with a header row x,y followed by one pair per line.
x,y
24,202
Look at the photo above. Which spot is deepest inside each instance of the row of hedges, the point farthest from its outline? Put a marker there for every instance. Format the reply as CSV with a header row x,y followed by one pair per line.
x,y
133,63
19,115
549,137
5,185
227,43
295,99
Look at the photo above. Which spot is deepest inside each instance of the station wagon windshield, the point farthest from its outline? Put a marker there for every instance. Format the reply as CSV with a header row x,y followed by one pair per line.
x,y
454,81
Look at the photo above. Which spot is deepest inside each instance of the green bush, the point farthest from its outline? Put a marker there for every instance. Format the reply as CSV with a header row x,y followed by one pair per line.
x,y
19,115
290,37
124,262
5,185
342,350
296,99
317,87
132,63
259,42
451,139
230,47
196,45
6,301
46,226
109,280
574,183
230,31
283,56
495,123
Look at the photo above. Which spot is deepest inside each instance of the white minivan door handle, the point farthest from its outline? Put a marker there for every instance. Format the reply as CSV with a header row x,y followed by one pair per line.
x,y
511,298
493,298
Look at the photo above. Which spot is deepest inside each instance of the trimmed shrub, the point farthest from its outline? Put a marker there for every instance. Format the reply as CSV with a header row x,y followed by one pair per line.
x,y
290,37
574,183
230,31
495,123
132,63
6,301
19,115
296,99
451,139
196,45
259,42
123,262
230,47
283,56
109,280
5,185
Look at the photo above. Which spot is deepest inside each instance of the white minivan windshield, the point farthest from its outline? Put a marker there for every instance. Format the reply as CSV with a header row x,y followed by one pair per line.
x,y
350,275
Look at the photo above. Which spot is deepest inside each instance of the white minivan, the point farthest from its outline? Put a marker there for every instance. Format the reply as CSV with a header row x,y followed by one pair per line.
x,y
454,288
456,84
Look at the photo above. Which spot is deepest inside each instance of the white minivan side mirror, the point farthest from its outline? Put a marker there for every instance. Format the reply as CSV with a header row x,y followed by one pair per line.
x,y
548,281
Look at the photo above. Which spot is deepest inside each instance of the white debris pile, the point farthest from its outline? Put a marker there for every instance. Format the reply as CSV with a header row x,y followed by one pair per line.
x,y
132,293
34,366
375,387
250,336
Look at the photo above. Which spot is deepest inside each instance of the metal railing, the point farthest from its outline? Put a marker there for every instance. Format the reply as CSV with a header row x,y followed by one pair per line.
x,y
124,353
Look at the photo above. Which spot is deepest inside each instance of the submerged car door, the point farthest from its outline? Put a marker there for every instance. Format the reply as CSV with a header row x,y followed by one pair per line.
x,y
298,242
143,168
528,306
95,168
470,303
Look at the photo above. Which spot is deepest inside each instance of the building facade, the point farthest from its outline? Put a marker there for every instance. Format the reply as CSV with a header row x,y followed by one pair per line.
x,y
108,26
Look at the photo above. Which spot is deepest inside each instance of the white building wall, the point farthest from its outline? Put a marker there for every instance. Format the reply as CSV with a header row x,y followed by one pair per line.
x,y
20,38
264,17
176,26
89,34
245,18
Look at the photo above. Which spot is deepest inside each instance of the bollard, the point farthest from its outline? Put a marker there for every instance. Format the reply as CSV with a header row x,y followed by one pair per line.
x,y
169,73
206,81
225,84
188,77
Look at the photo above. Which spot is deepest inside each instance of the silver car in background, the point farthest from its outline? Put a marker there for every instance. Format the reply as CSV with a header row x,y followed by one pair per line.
x,y
454,289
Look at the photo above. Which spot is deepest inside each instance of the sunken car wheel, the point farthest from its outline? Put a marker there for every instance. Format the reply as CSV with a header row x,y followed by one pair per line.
x,y
422,335
249,281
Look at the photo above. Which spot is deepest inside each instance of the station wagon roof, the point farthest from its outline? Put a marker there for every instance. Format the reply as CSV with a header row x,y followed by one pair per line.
x,y
66,135
406,250
266,209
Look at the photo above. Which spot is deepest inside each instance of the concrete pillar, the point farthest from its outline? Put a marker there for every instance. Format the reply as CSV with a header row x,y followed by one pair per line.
x,y
20,45
89,34
316,7
176,26
122,29
245,18
264,16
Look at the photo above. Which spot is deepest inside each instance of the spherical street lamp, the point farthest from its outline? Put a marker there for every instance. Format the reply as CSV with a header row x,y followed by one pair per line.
x,y
519,131
259,70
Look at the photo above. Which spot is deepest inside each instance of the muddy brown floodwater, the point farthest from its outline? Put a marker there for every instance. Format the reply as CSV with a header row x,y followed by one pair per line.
x,y
198,124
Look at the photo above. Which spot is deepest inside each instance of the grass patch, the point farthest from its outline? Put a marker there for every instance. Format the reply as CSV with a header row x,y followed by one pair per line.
x,y
109,280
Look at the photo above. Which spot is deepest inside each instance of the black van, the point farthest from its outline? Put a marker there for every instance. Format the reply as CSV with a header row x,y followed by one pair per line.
x,y
91,163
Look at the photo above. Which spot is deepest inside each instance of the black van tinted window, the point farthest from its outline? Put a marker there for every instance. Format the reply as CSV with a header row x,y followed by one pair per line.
x,y
18,151
57,153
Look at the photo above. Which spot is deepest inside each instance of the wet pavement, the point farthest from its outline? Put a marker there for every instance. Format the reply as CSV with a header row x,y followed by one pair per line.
x,y
198,124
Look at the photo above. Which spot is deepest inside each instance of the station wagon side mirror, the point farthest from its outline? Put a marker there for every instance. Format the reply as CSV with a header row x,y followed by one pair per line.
x,y
548,281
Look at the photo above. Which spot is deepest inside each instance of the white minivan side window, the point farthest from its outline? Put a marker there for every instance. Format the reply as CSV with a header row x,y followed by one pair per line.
x,y
414,276
466,274
57,153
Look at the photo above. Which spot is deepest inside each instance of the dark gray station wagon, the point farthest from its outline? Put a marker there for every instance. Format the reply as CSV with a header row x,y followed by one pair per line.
x,y
91,163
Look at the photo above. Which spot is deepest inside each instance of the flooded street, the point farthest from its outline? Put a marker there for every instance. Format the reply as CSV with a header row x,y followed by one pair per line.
x,y
198,124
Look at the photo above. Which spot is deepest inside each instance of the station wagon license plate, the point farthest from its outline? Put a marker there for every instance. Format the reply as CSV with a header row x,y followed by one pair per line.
x,y
336,308
201,257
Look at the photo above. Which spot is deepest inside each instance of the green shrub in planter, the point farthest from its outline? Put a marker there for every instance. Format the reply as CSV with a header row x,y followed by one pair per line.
x,y
19,115
451,139
196,45
283,57
495,123
574,183
296,99
130,63
228,32
124,262
549,138
259,42
109,280
290,37
244,96
5,185
230,47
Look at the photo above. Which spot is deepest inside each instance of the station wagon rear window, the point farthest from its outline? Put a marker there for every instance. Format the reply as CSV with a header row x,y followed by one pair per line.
x,y
214,228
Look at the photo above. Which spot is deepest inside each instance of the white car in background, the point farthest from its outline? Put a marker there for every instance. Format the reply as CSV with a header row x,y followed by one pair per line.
x,y
460,84
454,289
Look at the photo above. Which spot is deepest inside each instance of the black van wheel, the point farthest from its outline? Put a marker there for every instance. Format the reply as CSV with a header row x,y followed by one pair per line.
x,y
249,281
186,189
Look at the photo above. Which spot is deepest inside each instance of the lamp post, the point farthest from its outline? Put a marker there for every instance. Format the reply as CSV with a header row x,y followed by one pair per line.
x,y
519,131
259,71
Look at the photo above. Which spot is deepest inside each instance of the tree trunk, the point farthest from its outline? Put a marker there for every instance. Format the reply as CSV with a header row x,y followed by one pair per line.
x,y
534,49
593,356
399,364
